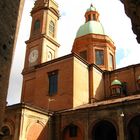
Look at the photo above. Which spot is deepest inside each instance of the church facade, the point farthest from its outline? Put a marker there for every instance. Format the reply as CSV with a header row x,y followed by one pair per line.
x,y
80,96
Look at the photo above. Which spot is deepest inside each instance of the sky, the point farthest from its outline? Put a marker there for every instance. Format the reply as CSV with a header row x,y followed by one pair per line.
x,y
112,16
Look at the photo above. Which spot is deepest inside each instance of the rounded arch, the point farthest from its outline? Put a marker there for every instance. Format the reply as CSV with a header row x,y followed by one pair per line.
x,y
104,130
71,131
133,128
36,131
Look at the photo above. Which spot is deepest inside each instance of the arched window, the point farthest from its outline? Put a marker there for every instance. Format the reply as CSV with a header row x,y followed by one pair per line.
x,y
51,28
72,132
133,129
37,25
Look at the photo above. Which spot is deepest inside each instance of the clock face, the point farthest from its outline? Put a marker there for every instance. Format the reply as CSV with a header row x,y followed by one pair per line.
x,y
33,56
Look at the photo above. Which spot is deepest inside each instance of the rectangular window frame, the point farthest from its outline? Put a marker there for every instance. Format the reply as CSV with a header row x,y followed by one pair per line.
x,y
111,64
83,54
53,82
96,59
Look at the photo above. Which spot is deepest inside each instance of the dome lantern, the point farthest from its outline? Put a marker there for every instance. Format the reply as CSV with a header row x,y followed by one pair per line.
x,y
92,24
92,14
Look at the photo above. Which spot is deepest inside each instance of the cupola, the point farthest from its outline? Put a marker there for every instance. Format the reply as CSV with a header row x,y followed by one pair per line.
x,y
91,14
92,24
92,44
116,88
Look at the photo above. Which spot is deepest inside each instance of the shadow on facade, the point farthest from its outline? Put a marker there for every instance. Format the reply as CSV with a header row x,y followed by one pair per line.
x,y
133,129
104,130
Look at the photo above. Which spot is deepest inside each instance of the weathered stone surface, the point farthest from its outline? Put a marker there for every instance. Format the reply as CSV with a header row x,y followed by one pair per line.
x,y
10,15
132,10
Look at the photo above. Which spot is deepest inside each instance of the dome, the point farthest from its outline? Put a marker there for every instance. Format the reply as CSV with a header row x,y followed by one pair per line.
x,y
116,82
90,27
91,8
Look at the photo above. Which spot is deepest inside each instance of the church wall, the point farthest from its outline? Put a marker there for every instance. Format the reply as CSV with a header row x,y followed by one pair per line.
x,y
12,120
33,125
87,118
28,89
80,83
46,48
128,75
31,45
37,89
98,85
137,74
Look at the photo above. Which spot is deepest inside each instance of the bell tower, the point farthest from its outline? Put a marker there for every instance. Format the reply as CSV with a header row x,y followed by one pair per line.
x,y
42,45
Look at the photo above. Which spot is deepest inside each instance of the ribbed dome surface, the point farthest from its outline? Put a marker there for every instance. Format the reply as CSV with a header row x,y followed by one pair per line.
x,y
91,27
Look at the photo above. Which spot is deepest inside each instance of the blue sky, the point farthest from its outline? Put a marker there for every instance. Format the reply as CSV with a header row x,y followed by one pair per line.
x,y
116,24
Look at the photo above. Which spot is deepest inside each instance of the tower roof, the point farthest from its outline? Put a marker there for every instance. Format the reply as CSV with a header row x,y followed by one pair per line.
x,y
92,8
92,25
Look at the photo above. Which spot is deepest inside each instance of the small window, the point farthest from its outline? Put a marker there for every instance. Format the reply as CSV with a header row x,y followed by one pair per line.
x,y
73,130
53,82
111,60
99,57
83,54
93,17
51,28
50,56
37,25
89,17
116,91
